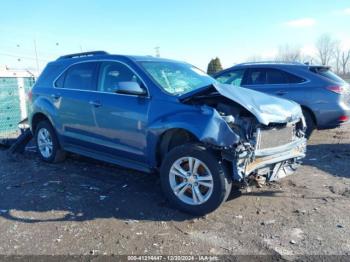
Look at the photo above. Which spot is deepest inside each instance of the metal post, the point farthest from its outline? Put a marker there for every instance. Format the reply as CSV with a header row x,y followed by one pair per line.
x,y
157,49
36,56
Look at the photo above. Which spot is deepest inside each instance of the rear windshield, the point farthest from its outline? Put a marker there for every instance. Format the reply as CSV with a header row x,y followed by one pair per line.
x,y
326,72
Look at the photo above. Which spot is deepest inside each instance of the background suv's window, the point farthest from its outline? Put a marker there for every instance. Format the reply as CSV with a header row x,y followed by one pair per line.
x,y
293,79
232,78
262,76
112,73
81,76
274,76
256,76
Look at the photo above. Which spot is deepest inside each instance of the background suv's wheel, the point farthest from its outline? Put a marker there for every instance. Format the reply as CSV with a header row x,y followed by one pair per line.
x,y
47,143
310,123
194,179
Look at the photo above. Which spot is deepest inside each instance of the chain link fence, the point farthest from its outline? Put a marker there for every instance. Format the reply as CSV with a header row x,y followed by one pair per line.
x,y
13,105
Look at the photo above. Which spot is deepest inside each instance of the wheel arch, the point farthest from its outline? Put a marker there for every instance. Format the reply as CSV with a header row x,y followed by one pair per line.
x,y
171,138
37,118
307,109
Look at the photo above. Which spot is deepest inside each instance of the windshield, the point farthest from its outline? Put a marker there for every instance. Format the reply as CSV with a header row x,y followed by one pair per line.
x,y
177,78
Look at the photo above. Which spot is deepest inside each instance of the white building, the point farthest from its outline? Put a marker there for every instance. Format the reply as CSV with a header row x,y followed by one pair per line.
x,y
14,86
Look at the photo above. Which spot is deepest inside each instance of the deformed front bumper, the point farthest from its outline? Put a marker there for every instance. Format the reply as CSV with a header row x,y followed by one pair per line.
x,y
274,163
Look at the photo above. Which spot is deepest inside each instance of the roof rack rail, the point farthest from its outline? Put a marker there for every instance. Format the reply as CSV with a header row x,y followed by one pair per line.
x,y
78,55
272,62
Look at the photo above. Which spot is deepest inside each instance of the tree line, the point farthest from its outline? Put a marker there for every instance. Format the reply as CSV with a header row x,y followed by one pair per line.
x,y
328,51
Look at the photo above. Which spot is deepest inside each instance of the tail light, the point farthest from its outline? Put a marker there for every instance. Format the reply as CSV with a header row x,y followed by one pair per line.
x,y
336,89
343,119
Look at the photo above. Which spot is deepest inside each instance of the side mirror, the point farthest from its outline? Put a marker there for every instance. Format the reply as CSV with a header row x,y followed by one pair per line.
x,y
130,88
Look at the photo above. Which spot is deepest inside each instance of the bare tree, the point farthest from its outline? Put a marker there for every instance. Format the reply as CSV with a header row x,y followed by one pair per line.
x,y
345,59
254,58
325,46
337,57
289,54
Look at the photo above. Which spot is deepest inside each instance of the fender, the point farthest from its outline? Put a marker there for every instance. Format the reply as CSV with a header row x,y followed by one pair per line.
x,y
206,125
43,106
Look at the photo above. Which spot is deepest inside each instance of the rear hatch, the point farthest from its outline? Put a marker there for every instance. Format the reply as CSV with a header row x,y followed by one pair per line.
x,y
338,85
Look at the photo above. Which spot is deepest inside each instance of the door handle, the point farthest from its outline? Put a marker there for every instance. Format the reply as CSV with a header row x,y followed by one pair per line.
x,y
281,93
55,96
95,103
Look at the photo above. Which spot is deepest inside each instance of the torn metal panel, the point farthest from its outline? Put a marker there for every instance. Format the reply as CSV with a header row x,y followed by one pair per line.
x,y
217,132
267,109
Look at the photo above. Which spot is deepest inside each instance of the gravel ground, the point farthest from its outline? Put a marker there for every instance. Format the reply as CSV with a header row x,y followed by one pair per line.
x,y
84,206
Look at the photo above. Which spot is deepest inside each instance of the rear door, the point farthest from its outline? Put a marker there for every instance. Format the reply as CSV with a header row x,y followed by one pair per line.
x,y
267,80
74,92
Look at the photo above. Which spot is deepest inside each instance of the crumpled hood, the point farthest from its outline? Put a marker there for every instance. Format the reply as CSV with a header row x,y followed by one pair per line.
x,y
266,108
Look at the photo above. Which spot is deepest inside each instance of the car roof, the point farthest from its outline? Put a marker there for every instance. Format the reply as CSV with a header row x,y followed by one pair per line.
x,y
271,64
100,55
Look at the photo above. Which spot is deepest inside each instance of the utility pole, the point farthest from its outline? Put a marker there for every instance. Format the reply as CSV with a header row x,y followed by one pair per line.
x,y
36,56
157,49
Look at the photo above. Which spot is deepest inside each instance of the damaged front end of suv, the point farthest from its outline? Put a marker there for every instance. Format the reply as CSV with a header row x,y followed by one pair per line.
x,y
268,134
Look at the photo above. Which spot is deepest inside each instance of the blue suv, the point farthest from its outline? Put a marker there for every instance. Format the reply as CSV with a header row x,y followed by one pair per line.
x,y
153,114
323,96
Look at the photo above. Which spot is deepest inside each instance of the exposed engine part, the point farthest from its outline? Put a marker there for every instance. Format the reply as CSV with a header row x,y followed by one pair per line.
x,y
229,119
258,180
265,152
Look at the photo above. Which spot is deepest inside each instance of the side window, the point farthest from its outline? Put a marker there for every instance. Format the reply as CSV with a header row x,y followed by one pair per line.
x,y
232,78
293,79
60,81
275,76
80,76
112,73
255,76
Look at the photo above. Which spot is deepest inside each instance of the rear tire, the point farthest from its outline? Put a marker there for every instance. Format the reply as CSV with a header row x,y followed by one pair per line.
x,y
198,192
310,123
47,143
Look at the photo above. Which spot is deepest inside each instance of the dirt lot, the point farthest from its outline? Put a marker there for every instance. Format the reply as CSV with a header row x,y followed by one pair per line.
x,y
86,207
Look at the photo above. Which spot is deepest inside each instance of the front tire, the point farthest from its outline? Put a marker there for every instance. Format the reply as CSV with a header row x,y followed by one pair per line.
x,y
194,180
47,143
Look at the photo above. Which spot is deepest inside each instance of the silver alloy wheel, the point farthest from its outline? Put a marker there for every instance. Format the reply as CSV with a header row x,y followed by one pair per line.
x,y
191,180
44,142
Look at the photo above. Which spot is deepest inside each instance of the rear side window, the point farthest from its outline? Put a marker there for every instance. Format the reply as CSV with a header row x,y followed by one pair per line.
x,y
60,81
293,79
327,73
232,77
262,76
80,76
48,75
274,76
256,76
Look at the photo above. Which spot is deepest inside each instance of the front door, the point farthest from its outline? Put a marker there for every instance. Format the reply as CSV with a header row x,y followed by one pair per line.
x,y
121,119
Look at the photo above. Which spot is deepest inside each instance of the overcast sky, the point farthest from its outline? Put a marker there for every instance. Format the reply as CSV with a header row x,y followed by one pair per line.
x,y
190,30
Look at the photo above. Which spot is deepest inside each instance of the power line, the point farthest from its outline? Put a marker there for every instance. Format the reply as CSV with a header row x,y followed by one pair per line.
x,y
21,56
